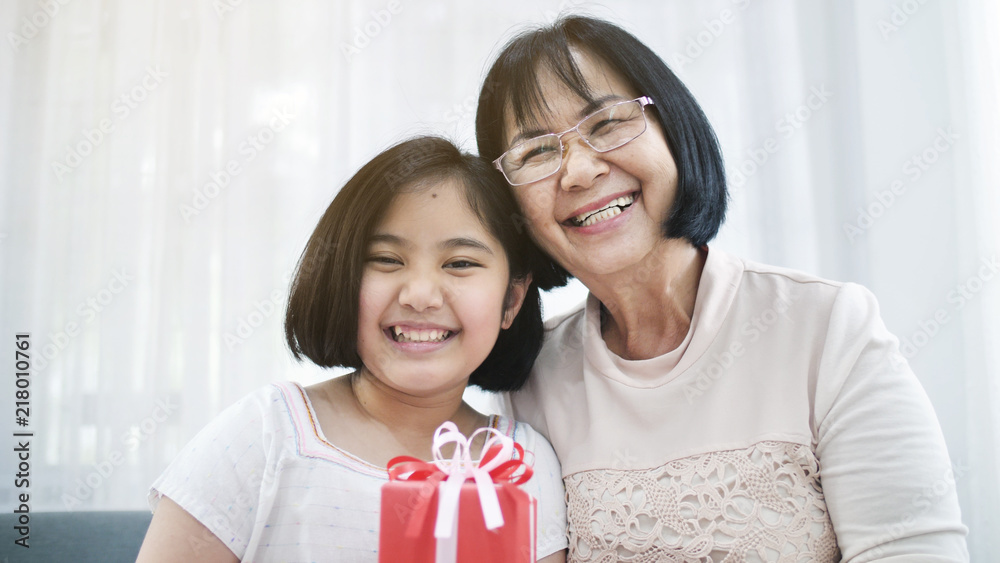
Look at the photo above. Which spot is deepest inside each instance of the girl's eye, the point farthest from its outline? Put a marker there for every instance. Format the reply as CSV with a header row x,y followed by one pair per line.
x,y
384,260
462,264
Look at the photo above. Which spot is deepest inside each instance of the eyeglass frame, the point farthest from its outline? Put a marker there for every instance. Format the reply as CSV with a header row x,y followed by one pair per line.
x,y
643,102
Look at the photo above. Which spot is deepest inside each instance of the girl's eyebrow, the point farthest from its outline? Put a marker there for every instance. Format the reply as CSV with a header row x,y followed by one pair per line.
x,y
388,239
452,243
464,242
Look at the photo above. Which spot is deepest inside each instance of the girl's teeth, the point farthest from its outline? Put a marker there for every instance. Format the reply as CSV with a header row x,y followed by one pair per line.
x,y
433,335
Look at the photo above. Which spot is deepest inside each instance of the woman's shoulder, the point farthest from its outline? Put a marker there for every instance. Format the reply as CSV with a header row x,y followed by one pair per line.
x,y
524,434
785,275
765,281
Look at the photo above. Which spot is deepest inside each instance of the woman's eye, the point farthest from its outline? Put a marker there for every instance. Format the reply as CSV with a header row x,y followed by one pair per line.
x,y
605,126
536,154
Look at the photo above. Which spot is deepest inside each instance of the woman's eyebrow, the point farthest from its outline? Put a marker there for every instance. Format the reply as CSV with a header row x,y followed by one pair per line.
x,y
599,103
589,108
465,242
525,135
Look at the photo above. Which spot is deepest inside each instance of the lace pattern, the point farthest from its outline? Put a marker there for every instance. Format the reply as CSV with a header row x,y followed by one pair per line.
x,y
762,503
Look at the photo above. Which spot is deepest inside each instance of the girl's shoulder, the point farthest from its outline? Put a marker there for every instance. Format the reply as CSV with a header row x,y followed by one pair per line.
x,y
270,405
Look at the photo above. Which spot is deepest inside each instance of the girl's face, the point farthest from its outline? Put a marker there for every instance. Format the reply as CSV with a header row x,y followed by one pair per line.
x,y
638,178
432,293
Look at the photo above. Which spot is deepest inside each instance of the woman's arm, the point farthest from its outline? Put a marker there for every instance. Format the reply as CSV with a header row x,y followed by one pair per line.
x,y
175,535
886,475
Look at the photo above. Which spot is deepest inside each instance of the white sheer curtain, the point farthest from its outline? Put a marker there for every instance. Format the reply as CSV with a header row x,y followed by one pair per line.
x,y
861,140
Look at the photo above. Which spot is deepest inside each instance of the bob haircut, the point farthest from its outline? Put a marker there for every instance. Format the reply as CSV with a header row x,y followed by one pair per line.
x,y
321,320
512,84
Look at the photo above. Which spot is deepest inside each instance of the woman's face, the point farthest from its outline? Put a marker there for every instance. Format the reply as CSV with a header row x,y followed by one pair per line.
x,y
641,172
432,293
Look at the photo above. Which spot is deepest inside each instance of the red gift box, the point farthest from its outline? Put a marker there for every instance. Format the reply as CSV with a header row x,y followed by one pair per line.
x,y
410,530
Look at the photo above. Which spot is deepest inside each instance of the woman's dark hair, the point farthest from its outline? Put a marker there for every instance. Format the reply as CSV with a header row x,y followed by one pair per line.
x,y
321,320
512,84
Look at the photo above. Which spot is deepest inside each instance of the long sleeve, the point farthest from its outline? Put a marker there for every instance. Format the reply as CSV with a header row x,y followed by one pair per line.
x,y
885,471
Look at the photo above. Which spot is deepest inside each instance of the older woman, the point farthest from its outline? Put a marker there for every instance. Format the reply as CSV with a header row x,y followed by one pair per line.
x,y
704,407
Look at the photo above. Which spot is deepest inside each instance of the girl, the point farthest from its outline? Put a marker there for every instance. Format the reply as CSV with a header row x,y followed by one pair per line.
x,y
417,278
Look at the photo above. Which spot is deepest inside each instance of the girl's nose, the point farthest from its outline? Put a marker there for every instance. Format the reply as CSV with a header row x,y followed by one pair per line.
x,y
421,293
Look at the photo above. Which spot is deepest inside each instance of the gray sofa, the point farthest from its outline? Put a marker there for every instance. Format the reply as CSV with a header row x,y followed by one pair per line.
x,y
80,537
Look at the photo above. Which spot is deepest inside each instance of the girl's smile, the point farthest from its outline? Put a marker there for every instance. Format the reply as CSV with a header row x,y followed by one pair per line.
x,y
432,293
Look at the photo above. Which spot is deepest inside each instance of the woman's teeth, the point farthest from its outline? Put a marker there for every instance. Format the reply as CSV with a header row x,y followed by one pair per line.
x,y
434,335
610,210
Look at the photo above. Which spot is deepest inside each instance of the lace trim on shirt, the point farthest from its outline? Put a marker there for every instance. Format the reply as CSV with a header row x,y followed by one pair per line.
x,y
762,503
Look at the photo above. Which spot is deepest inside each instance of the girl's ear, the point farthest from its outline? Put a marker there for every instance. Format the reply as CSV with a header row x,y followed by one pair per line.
x,y
514,299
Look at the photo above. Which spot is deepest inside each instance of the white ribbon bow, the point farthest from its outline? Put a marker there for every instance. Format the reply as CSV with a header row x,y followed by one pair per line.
x,y
459,468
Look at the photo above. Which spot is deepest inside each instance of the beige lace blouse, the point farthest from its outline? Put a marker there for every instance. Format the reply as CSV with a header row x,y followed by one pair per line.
x,y
786,427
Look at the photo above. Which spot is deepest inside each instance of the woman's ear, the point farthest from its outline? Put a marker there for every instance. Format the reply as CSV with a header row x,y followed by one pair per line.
x,y
514,299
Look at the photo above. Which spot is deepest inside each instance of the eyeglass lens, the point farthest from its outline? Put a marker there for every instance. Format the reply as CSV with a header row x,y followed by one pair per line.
x,y
604,130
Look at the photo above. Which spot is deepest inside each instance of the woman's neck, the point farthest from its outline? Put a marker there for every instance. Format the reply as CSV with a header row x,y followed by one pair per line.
x,y
648,307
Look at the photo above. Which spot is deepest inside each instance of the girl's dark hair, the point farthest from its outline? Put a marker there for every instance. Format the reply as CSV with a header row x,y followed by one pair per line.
x,y
321,320
512,84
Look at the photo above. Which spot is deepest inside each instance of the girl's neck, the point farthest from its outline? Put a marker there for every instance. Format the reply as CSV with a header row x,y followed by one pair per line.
x,y
376,423
407,415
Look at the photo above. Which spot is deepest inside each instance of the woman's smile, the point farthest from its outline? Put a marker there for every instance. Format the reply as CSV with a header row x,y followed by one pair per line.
x,y
601,212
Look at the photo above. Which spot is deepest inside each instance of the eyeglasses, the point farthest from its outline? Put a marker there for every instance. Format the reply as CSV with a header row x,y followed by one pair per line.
x,y
604,130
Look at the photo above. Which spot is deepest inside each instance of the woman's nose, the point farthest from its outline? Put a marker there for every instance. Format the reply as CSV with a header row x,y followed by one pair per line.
x,y
421,293
581,164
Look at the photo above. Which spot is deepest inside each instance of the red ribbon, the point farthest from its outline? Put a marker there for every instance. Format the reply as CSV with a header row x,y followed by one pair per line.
x,y
408,468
